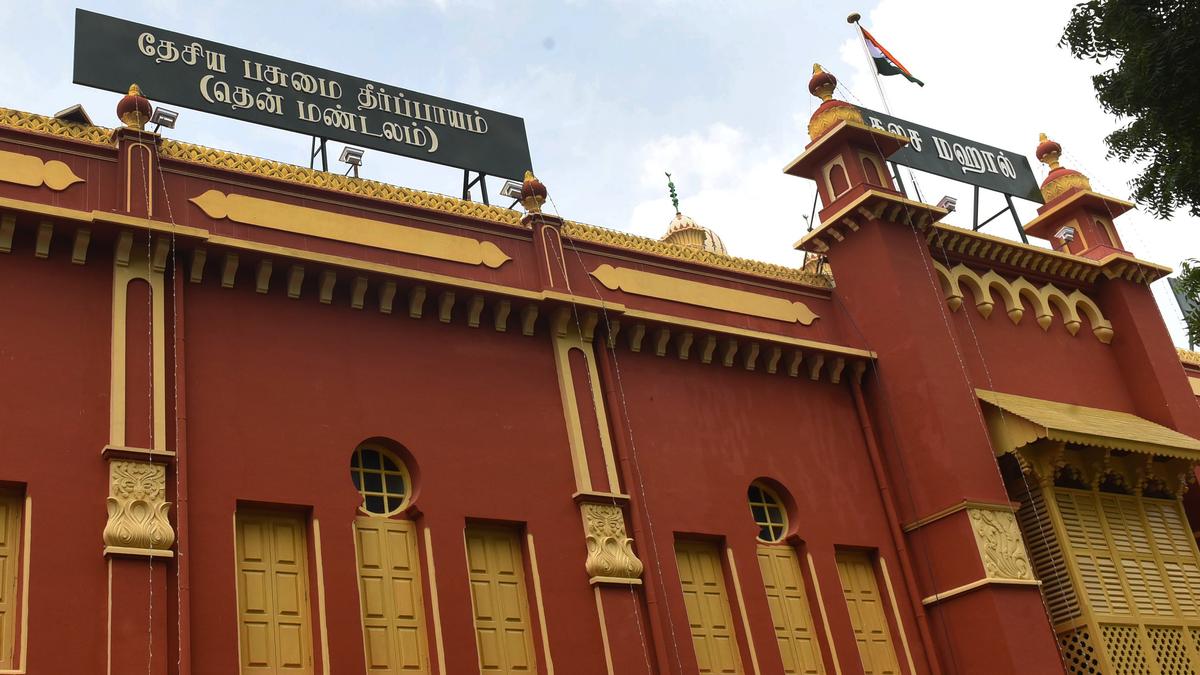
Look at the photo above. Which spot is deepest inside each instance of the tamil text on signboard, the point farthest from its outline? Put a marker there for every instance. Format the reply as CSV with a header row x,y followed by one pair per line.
x,y
216,78
958,158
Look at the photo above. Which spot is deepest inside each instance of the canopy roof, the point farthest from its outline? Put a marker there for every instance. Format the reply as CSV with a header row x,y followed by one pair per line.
x,y
1015,421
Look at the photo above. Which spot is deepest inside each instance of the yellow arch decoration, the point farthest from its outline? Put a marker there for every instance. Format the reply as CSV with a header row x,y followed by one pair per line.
x,y
1045,300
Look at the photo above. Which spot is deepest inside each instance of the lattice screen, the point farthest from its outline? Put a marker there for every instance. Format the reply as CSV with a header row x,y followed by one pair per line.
x,y
1079,656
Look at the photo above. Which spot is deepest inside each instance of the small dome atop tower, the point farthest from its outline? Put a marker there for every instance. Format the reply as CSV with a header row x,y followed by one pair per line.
x,y
831,111
1060,180
686,232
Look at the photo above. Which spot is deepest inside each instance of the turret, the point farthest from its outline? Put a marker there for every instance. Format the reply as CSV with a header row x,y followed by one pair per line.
x,y
1075,219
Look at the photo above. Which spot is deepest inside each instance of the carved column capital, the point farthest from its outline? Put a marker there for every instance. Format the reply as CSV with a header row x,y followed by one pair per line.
x,y
610,556
138,522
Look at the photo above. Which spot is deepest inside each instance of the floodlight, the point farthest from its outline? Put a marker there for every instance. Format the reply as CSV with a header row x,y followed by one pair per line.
x,y
352,156
163,117
511,189
947,203
1066,233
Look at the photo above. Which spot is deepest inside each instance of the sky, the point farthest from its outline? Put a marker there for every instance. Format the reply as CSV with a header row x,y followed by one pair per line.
x,y
616,92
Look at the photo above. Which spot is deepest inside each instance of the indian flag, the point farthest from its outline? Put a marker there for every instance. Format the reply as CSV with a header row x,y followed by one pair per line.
x,y
885,63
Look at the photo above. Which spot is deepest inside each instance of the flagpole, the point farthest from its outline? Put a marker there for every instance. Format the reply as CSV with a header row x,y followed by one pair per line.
x,y
862,40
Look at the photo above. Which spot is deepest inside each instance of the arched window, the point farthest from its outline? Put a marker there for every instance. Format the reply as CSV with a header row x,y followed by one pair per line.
x,y
769,513
872,171
381,478
838,183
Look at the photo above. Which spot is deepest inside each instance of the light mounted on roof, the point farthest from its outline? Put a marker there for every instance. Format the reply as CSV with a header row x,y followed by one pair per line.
x,y
352,156
163,117
948,203
511,190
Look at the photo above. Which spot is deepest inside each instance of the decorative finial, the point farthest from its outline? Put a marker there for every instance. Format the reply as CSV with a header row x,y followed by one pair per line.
x,y
533,193
674,197
134,109
1048,151
822,83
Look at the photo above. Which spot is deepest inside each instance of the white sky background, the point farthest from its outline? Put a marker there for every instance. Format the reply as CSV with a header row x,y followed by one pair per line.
x,y
614,92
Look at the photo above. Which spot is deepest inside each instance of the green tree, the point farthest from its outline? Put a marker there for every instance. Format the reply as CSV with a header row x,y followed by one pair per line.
x,y
1188,285
1152,49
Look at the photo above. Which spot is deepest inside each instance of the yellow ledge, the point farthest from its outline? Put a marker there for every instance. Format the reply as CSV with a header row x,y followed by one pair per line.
x,y
750,334
615,580
138,552
967,588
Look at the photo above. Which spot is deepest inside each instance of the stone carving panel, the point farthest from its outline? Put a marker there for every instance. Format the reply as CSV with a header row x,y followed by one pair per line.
x,y
1000,546
610,552
137,507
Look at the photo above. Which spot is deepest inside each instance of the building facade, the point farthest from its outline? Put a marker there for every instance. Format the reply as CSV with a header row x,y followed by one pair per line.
x,y
263,419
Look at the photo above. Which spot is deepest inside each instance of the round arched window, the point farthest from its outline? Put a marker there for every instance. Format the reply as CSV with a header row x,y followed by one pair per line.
x,y
381,478
769,513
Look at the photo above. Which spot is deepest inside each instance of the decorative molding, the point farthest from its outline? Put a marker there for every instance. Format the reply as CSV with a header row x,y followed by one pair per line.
x,y
1044,300
32,171
1059,185
257,166
53,126
869,206
610,551
1000,547
137,508
979,583
607,237
949,241
951,510
1190,357
703,295
340,227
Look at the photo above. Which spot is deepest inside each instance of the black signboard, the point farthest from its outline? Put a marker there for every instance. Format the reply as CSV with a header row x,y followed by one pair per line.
x,y
959,159
216,78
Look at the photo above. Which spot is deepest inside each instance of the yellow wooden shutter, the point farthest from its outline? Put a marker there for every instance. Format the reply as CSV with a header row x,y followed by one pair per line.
x,y
866,613
389,578
10,556
275,635
790,611
496,569
707,607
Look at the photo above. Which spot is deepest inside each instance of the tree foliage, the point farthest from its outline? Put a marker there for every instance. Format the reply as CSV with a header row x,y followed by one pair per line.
x,y
1153,48
1189,287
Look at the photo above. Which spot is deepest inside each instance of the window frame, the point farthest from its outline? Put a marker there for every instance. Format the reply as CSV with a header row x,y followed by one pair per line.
x,y
359,471
772,501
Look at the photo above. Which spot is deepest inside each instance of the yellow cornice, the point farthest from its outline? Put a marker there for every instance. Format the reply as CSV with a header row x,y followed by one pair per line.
x,y
1190,357
257,166
1069,201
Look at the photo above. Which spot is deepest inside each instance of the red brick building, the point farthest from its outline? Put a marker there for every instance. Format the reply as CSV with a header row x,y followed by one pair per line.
x,y
262,419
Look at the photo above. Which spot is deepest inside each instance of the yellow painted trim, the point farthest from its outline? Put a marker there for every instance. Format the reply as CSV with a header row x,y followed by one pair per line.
x,y
1069,201
324,626
26,538
537,595
144,552
353,229
979,583
858,202
812,571
433,598
575,436
32,171
887,582
710,296
108,627
138,267
951,510
237,591
827,136
391,270
1187,356
127,452
802,343
608,664
741,600
1195,382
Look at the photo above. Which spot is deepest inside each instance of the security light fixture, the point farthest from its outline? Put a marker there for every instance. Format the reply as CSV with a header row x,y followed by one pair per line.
x,y
1066,233
352,156
163,117
948,203
512,190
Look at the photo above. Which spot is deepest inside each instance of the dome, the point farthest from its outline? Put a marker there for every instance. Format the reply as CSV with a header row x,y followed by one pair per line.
x,y
686,232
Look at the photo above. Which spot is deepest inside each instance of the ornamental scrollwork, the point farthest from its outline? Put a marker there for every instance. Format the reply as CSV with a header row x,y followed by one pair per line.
x,y
1000,546
610,551
137,507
